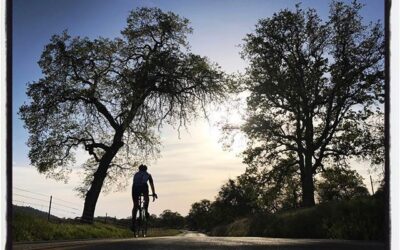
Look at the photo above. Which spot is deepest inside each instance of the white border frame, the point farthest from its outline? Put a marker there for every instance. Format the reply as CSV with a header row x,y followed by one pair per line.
x,y
3,124
394,123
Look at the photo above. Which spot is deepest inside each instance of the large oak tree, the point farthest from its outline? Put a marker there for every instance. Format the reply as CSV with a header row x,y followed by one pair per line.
x,y
315,92
107,96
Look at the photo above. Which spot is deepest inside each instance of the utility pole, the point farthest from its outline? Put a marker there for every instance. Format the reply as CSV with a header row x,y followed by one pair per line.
x,y
48,216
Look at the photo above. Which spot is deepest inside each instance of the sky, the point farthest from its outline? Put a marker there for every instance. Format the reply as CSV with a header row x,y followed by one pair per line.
x,y
193,166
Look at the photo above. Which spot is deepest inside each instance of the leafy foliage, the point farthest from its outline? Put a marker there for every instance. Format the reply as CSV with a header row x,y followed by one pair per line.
x,y
345,212
315,93
107,96
169,219
200,216
315,90
236,198
340,184
357,219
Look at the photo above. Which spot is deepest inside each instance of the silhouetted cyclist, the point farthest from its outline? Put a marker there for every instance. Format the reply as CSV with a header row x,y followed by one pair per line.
x,y
140,187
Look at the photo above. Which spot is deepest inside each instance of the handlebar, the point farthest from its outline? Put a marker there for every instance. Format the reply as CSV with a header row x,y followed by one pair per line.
x,y
154,196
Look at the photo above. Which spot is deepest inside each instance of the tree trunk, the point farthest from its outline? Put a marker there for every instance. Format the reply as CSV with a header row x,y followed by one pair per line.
x,y
308,191
94,191
307,183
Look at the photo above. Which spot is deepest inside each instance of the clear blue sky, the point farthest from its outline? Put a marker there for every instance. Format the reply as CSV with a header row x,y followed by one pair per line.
x,y
219,27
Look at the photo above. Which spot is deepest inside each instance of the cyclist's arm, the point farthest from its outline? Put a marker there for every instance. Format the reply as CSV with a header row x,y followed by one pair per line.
x,y
152,186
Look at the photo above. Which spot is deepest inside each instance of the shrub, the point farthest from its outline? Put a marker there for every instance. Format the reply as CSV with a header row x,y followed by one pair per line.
x,y
358,219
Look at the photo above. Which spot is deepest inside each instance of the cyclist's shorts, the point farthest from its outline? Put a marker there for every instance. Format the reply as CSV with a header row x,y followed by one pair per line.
x,y
138,190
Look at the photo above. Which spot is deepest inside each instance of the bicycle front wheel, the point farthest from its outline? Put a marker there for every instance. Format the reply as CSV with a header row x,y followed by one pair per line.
x,y
144,223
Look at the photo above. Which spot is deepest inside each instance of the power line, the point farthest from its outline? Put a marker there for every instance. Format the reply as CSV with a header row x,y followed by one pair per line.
x,y
59,209
67,201
42,206
65,206
62,205
30,203
30,197
24,190
56,211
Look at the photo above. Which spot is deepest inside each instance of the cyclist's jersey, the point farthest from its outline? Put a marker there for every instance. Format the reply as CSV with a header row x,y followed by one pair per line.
x,y
141,178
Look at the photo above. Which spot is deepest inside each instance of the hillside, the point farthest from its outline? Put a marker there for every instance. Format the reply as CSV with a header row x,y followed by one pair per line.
x,y
33,211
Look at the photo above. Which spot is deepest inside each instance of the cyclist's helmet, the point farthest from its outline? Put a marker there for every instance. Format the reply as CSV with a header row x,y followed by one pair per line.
x,y
142,167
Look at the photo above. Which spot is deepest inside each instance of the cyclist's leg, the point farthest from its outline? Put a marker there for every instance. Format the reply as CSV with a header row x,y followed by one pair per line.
x,y
146,200
135,208
135,198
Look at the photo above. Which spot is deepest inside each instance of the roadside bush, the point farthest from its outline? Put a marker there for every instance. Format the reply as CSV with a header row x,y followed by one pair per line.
x,y
358,219
301,223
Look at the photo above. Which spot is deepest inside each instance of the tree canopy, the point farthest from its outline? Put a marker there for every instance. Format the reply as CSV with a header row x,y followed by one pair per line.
x,y
340,184
107,96
200,216
315,92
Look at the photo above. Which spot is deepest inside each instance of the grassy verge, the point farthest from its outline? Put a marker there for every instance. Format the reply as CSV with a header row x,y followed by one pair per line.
x,y
27,227
358,219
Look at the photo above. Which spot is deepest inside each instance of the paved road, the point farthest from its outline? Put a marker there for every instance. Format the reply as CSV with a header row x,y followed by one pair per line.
x,y
196,241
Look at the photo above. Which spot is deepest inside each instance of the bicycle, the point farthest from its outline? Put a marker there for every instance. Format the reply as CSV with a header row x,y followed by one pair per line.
x,y
142,218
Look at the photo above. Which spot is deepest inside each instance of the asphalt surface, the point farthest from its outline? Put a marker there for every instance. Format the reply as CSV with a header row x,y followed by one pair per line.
x,y
192,240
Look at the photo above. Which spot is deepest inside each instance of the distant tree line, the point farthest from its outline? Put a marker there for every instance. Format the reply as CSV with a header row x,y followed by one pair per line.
x,y
168,219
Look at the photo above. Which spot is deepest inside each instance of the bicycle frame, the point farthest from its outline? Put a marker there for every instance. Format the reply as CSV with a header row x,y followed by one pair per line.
x,y
141,219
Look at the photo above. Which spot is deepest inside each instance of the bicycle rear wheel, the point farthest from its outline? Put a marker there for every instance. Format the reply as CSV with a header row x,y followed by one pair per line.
x,y
139,223
143,223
